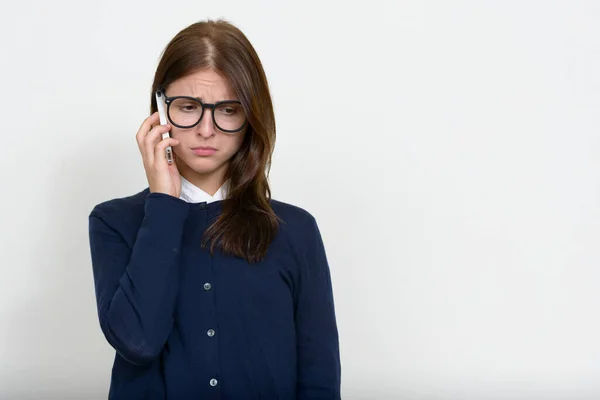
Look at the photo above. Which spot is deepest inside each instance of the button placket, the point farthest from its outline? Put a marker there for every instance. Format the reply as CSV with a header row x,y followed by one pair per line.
x,y
211,334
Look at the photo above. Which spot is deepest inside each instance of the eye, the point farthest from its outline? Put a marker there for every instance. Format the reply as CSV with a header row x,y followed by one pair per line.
x,y
228,109
190,107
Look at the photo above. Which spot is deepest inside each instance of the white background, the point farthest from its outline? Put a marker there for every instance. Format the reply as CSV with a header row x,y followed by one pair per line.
x,y
449,150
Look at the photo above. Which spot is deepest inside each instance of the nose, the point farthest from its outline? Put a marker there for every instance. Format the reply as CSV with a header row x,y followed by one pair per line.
x,y
206,127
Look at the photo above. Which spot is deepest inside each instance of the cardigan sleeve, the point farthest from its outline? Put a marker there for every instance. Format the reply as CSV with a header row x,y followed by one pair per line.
x,y
317,340
136,288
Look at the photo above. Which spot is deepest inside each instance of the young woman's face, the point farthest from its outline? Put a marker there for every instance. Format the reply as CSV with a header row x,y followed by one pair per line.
x,y
205,148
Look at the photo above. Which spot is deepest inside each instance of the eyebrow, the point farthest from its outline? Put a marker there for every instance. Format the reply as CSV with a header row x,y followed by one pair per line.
x,y
232,98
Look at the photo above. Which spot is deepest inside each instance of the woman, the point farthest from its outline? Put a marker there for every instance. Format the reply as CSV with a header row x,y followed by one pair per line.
x,y
206,287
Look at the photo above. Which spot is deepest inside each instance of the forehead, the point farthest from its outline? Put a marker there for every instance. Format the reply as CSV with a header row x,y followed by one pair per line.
x,y
206,84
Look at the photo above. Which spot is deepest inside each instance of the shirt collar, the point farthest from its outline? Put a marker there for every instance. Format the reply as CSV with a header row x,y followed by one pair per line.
x,y
193,194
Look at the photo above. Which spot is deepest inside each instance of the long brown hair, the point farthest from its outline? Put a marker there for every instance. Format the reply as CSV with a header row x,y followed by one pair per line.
x,y
247,224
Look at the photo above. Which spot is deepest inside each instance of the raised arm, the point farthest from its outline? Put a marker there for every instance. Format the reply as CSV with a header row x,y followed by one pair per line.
x,y
136,288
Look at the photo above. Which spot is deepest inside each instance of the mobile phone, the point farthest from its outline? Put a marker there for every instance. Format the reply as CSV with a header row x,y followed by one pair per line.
x,y
162,115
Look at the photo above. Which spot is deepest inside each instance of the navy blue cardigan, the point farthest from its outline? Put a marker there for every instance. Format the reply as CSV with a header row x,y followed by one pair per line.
x,y
188,325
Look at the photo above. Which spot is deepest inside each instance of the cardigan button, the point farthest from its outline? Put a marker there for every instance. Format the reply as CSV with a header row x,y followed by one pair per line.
x,y
210,332
213,382
207,286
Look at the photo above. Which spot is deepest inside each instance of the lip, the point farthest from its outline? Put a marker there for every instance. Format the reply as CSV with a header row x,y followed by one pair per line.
x,y
204,150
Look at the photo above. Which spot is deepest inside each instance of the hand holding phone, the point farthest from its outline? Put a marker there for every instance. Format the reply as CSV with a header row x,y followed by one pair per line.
x,y
162,113
163,177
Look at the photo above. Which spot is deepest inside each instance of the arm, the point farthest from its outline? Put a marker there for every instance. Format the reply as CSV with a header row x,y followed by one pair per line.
x,y
319,367
136,288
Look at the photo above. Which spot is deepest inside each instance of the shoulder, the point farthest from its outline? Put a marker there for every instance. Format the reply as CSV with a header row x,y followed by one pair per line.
x,y
296,223
298,228
121,209
291,214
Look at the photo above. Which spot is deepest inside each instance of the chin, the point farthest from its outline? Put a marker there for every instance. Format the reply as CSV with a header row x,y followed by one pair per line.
x,y
203,165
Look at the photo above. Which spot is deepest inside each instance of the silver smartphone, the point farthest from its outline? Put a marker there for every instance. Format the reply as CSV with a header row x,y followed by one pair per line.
x,y
162,114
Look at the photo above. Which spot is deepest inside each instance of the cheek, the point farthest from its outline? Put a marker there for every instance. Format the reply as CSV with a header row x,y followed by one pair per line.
x,y
238,142
239,139
233,144
177,134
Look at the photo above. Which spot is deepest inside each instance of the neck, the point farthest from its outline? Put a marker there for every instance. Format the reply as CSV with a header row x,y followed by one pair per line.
x,y
209,182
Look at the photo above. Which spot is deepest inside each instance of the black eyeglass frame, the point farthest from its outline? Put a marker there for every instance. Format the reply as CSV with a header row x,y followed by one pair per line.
x,y
211,106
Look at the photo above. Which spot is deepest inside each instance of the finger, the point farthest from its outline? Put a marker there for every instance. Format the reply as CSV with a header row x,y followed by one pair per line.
x,y
152,138
160,156
146,127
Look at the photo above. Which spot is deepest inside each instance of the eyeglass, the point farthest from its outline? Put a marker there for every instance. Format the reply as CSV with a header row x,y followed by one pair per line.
x,y
186,112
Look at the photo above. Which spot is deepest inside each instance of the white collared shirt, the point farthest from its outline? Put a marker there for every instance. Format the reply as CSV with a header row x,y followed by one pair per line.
x,y
193,194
